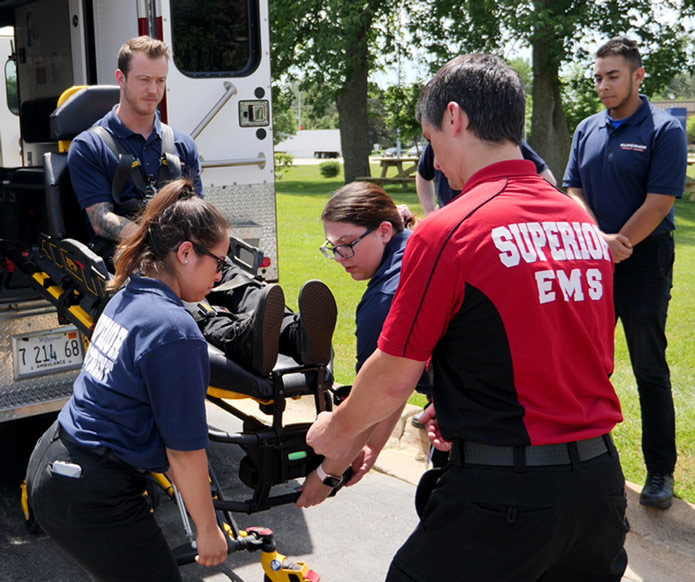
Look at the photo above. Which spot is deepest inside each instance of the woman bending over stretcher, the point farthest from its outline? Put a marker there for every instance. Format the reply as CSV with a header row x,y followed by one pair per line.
x,y
366,235
138,403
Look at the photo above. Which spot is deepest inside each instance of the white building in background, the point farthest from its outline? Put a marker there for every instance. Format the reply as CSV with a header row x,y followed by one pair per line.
x,y
312,143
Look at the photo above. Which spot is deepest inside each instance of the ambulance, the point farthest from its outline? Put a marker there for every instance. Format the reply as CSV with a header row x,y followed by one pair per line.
x,y
218,91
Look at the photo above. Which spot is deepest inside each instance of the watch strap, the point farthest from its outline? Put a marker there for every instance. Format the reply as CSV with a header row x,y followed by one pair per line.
x,y
332,481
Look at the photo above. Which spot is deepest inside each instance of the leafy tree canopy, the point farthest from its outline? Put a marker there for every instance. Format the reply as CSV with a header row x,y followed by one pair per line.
x,y
334,45
313,40
566,28
559,33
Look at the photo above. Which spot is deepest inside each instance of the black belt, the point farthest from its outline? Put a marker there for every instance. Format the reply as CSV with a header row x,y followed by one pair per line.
x,y
471,453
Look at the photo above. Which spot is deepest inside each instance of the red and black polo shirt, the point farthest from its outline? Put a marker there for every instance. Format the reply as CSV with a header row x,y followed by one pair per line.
x,y
509,289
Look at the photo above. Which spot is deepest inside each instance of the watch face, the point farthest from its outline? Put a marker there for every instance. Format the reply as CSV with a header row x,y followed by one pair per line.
x,y
331,481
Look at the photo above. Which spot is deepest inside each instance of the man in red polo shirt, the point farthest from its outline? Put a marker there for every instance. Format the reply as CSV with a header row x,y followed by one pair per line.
x,y
509,291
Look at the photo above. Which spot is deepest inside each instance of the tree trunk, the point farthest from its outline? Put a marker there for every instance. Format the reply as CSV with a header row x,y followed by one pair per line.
x,y
351,102
549,134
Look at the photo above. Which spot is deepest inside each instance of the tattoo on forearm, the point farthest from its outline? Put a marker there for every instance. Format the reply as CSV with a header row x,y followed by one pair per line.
x,y
105,221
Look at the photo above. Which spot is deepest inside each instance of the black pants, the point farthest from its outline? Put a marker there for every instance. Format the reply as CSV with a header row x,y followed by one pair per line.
x,y
536,524
101,519
642,293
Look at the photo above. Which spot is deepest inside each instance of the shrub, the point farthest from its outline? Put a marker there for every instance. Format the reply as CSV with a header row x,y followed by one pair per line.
x,y
691,129
329,169
283,162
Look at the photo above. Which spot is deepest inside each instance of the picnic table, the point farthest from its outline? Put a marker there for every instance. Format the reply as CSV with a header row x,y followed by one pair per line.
x,y
399,163
405,167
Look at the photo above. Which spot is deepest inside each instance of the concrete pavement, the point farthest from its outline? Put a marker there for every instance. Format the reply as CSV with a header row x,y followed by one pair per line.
x,y
338,539
352,537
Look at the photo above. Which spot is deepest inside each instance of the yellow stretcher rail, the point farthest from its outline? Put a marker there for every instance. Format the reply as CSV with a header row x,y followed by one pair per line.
x,y
54,290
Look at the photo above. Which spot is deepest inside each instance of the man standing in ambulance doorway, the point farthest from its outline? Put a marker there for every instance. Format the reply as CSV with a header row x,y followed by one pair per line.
x,y
118,164
131,128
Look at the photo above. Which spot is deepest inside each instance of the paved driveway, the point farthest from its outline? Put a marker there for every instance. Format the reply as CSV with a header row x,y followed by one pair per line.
x,y
350,537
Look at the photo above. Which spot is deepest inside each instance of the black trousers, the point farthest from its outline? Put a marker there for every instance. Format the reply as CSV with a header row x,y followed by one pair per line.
x,y
642,293
561,523
100,519
228,331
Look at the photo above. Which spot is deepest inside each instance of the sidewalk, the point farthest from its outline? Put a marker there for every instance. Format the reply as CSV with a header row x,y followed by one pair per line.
x,y
660,545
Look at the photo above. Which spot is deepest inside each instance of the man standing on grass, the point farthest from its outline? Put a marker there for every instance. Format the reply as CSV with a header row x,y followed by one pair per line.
x,y
627,167
509,292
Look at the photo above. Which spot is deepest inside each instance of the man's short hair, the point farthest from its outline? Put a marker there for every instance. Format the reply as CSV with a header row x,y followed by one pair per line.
x,y
621,46
151,47
486,88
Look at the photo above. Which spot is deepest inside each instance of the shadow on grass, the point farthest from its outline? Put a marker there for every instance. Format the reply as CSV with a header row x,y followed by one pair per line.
x,y
685,221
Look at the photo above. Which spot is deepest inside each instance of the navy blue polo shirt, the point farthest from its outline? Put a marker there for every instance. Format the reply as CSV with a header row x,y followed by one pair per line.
x,y
143,381
617,167
92,164
445,194
376,301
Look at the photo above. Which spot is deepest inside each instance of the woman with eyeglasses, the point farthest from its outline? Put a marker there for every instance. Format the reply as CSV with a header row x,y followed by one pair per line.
x,y
366,235
138,403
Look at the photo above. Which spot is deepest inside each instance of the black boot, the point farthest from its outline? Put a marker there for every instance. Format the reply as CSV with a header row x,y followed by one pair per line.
x,y
263,332
317,316
657,491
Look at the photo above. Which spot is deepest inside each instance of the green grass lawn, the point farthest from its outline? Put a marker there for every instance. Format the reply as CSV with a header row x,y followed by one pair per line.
x,y
302,194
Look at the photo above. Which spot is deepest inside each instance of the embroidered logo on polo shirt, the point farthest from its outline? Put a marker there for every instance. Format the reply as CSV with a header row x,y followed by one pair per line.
x,y
634,147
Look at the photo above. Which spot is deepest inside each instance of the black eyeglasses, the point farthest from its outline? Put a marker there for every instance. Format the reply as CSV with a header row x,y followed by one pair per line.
x,y
344,251
221,261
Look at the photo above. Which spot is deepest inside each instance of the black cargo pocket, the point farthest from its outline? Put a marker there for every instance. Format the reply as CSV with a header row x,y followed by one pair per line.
x,y
427,483
618,508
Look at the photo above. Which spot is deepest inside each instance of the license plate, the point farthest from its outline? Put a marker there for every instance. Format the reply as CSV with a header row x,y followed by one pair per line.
x,y
44,352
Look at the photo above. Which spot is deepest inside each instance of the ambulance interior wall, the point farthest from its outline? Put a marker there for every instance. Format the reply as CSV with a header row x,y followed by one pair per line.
x,y
44,62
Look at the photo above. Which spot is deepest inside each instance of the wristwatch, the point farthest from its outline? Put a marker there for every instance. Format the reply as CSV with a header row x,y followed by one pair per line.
x,y
330,480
